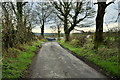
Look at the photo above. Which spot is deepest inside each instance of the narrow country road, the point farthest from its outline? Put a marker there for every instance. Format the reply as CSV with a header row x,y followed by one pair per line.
x,y
55,62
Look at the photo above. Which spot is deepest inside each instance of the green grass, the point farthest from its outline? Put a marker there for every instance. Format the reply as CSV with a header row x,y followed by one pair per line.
x,y
105,58
15,65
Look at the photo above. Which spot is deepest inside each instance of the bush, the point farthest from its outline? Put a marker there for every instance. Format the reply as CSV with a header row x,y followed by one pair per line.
x,y
11,52
15,61
78,40
20,47
74,42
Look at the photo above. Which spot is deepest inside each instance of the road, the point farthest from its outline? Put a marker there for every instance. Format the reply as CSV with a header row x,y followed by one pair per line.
x,y
55,62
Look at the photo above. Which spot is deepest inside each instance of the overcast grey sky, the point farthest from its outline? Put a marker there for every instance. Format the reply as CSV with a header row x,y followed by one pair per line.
x,y
109,18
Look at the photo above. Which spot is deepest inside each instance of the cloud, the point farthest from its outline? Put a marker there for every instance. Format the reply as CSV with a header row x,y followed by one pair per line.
x,y
86,29
110,26
38,30
92,28
110,16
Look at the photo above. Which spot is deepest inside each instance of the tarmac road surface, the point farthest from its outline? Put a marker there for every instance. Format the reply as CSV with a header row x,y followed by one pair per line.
x,y
53,61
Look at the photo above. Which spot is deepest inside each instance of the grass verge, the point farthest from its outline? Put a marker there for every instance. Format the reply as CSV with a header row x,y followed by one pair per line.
x,y
16,60
106,58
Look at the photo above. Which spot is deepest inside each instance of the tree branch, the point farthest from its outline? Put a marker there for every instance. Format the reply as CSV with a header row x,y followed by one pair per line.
x,y
13,8
106,4
58,8
24,3
60,18
95,3
110,3
82,18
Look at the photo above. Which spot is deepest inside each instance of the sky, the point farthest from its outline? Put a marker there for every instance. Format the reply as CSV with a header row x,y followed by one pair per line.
x,y
109,20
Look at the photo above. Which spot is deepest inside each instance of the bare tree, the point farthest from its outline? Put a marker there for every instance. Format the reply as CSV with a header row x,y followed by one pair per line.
x,y
18,11
58,25
28,21
99,22
17,28
118,8
7,25
43,10
71,14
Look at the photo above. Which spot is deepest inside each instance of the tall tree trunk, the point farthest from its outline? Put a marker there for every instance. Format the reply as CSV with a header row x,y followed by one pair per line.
x,y
58,32
20,37
66,30
25,29
98,40
67,36
118,48
42,30
19,23
7,28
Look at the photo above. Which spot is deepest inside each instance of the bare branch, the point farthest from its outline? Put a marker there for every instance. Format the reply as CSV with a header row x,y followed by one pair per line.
x,y
110,3
95,3
82,18
60,18
13,8
24,3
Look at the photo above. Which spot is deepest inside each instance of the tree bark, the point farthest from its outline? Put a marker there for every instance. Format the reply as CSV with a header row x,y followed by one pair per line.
x,y
8,29
58,32
66,30
118,48
98,40
42,30
67,36
19,15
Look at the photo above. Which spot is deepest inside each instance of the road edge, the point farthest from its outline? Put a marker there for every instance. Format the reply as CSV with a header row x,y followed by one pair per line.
x,y
91,64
